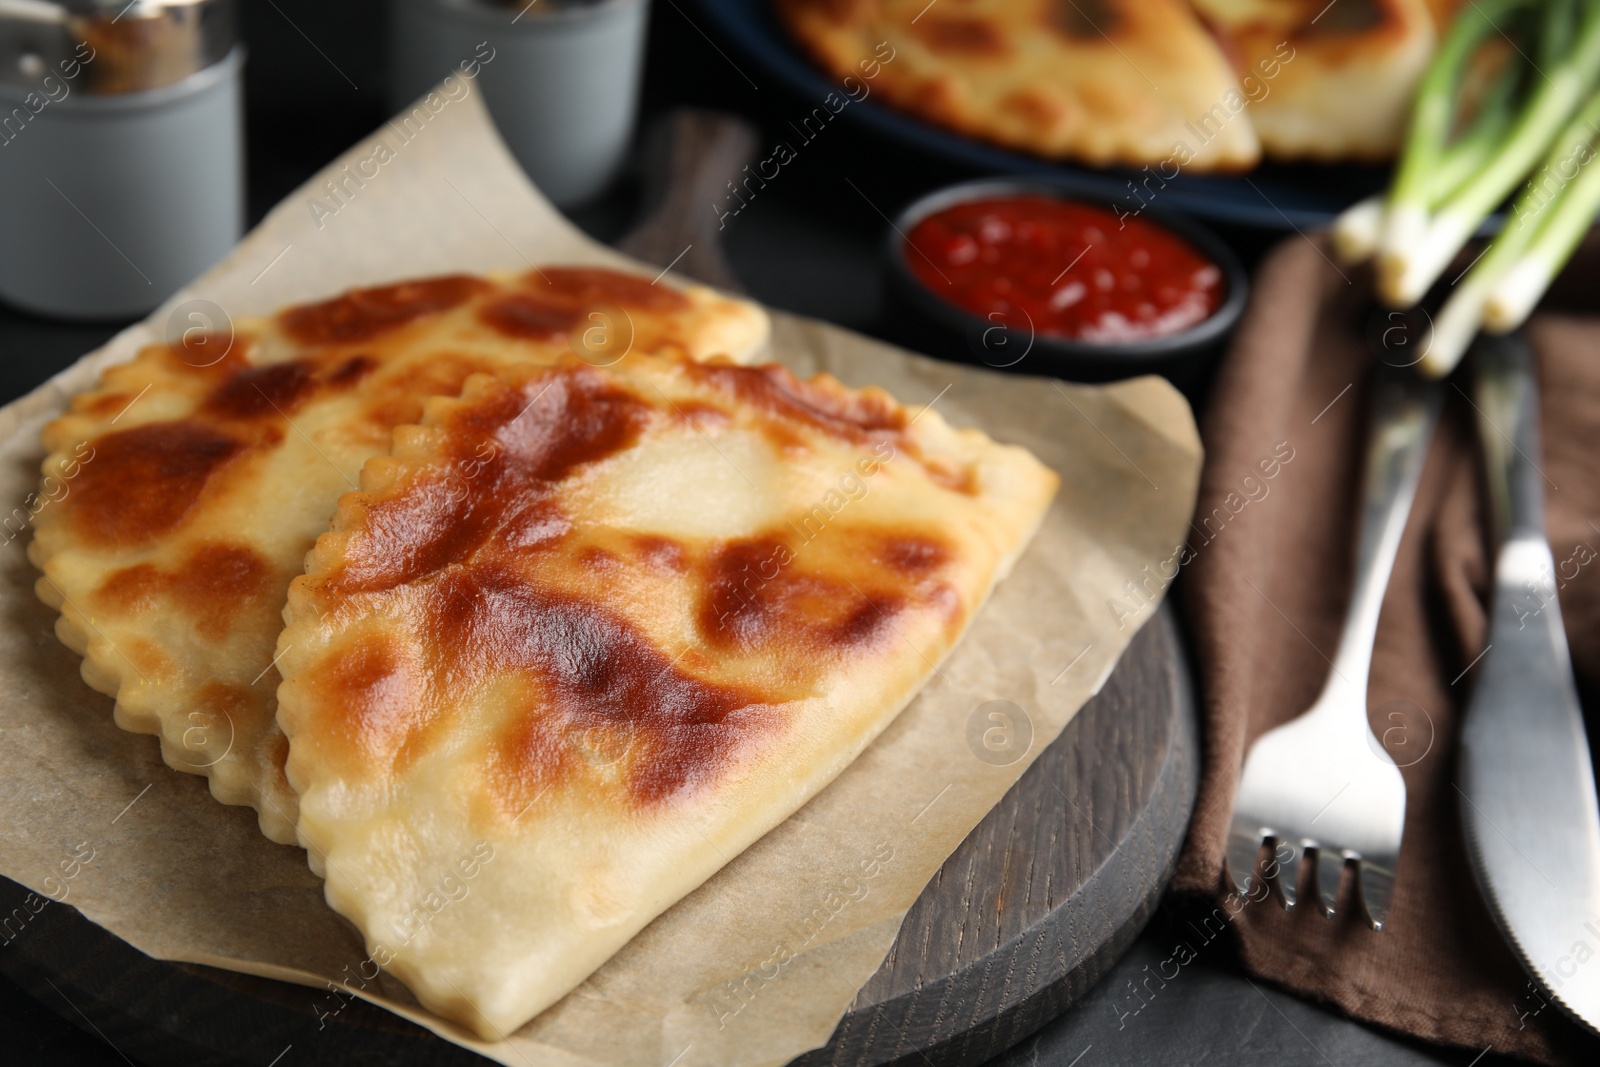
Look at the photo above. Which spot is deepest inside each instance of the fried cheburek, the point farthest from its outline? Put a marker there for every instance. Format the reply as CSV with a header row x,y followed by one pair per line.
x,y
204,470
669,603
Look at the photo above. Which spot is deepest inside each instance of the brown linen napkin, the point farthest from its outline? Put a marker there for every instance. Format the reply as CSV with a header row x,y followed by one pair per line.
x,y
1264,598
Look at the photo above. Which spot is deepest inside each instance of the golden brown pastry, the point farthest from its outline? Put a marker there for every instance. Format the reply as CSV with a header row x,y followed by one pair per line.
x,y
1101,81
589,634
192,481
1326,81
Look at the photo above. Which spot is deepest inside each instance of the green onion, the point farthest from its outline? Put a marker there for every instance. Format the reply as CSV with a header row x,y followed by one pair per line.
x,y
1560,22
1358,232
1568,219
1461,316
1407,269
1539,234
1434,114
1468,153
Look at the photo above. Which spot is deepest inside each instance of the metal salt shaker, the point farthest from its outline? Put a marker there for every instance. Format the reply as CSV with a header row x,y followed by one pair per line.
x,y
121,151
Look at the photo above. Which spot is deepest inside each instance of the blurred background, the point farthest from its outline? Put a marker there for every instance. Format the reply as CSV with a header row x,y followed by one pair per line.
x,y
316,81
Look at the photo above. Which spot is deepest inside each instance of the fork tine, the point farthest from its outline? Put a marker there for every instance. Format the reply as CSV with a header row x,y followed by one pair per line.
x,y
1289,871
1244,848
1330,871
1377,886
1321,780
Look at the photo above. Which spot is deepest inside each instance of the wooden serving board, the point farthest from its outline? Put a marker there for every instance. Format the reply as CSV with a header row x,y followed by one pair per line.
x,y
1033,906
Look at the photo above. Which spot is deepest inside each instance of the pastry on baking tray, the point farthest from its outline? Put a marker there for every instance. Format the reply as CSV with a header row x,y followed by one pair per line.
x,y
588,634
198,475
1102,81
1342,76
1198,85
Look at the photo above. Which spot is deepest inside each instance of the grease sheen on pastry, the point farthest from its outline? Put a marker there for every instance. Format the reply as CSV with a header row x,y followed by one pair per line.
x,y
1102,81
198,475
589,634
1128,81
1346,92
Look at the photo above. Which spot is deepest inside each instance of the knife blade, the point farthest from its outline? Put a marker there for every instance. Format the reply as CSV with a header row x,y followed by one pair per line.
x,y
1525,781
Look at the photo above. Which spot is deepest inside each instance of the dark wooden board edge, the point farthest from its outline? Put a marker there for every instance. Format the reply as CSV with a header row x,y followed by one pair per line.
x,y
162,1012
973,1014
166,1012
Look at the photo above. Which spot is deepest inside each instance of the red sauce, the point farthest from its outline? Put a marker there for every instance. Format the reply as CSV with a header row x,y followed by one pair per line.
x,y
1073,270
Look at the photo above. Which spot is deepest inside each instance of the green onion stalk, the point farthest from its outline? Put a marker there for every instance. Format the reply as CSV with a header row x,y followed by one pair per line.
x,y
1467,155
1414,194
1406,269
1543,226
1568,220
1358,232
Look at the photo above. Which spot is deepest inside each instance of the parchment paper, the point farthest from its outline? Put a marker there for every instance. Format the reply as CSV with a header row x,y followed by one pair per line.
x,y
90,815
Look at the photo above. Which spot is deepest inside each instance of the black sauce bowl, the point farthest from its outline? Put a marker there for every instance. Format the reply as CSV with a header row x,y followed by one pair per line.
x,y
929,322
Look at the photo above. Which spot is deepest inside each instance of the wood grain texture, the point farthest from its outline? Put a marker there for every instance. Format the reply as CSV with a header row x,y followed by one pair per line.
x,y
1024,916
1049,889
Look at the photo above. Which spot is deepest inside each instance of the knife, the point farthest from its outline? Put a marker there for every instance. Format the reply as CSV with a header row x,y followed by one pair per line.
x,y
1526,787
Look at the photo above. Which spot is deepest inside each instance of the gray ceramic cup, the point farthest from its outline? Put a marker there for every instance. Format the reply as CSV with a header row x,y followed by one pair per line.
x,y
121,152
561,79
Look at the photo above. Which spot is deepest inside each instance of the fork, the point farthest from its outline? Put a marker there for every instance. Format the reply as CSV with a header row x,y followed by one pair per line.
x,y
1323,783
